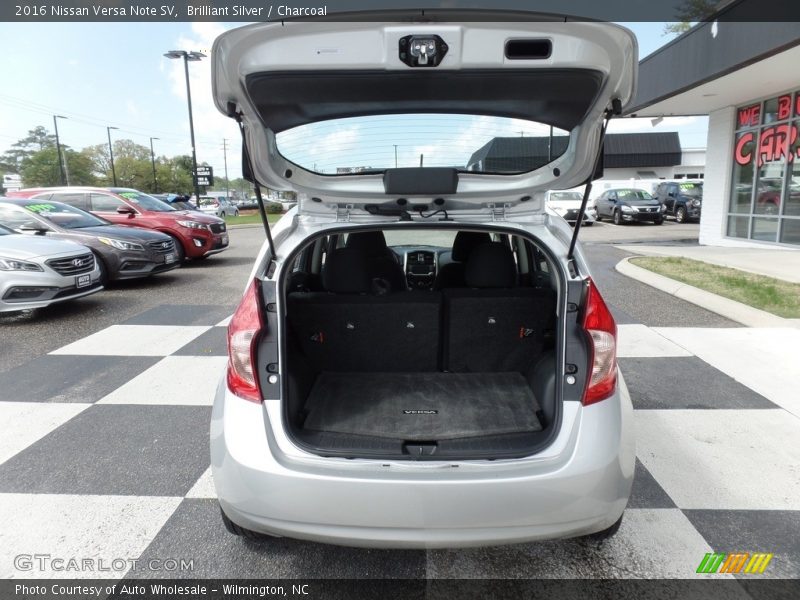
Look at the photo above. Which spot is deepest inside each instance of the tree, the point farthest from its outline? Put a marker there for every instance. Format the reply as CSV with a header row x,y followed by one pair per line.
x,y
689,12
41,168
37,139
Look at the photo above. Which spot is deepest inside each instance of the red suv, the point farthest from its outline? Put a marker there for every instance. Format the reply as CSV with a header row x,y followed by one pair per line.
x,y
196,235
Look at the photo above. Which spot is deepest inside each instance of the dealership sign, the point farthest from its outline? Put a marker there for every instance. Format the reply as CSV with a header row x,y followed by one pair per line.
x,y
776,141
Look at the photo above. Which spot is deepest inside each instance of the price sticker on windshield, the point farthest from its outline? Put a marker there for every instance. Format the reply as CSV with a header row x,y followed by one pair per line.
x,y
41,209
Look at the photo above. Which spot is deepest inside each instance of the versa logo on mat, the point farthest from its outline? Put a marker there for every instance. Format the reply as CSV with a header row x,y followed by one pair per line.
x,y
734,562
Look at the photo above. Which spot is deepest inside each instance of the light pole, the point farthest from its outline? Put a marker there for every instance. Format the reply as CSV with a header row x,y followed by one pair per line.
x,y
395,156
58,148
111,154
225,158
187,56
153,161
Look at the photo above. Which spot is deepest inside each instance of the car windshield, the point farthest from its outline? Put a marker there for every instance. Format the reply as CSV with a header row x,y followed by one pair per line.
x,y
692,189
566,196
373,143
64,215
633,195
146,202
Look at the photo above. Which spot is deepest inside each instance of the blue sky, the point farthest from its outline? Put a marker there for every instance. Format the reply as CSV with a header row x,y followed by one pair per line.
x,y
114,74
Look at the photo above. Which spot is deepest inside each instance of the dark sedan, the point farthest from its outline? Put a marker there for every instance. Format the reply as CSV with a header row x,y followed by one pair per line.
x,y
629,205
122,252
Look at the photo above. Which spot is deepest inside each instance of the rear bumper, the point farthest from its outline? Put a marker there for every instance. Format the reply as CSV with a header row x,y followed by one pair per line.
x,y
578,485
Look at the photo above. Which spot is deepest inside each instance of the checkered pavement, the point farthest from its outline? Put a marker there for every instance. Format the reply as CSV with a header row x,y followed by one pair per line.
x,y
104,453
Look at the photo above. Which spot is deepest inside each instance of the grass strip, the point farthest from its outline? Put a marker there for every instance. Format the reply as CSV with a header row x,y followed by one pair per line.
x,y
774,296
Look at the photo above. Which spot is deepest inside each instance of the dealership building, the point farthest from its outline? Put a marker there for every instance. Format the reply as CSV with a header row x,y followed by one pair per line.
x,y
746,78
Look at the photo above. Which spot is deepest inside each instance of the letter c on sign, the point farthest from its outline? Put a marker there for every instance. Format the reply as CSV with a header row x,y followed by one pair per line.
x,y
739,154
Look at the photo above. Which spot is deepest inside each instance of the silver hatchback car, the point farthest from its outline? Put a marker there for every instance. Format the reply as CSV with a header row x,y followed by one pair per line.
x,y
421,358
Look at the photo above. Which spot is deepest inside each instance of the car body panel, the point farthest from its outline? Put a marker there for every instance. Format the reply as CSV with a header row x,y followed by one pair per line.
x,y
53,285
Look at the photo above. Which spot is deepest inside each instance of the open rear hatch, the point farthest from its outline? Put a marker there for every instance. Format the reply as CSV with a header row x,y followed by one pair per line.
x,y
396,119
291,83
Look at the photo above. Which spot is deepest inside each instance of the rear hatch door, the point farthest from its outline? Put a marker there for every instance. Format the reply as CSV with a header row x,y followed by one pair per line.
x,y
416,109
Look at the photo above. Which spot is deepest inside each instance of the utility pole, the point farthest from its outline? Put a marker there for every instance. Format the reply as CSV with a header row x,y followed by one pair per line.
x,y
153,161
58,149
421,156
395,156
225,158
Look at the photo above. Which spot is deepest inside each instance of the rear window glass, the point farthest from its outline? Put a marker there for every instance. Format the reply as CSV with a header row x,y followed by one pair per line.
x,y
373,143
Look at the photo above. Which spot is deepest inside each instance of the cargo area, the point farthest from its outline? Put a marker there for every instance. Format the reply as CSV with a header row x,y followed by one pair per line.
x,y
461,368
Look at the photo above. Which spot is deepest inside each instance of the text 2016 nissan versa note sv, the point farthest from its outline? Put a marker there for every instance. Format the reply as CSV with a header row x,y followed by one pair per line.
x,y
419,360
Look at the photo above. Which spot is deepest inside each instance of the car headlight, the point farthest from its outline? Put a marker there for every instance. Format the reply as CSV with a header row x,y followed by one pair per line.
x,y
11,264
121,244
626,209
193,225
696,203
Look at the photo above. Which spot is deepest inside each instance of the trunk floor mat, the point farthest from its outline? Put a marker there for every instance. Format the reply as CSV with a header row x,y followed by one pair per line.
x,y
422,406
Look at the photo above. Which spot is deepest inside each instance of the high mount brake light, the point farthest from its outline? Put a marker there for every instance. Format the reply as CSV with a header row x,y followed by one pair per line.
x,y
602,332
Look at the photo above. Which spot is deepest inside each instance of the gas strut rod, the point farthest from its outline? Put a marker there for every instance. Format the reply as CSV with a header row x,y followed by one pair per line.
x,y
616,108
259,198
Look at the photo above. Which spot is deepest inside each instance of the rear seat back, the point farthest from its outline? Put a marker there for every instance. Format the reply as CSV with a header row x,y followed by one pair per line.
x,y
493,325
352,330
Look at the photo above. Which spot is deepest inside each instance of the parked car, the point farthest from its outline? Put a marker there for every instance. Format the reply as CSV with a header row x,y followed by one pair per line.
x,y
175,201
628,205
121,252
681,199
355,409
196,235
567,204
217,206
37,272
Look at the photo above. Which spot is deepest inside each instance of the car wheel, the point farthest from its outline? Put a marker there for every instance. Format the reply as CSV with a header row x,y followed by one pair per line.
x,y
599,217
241,531
659,221
222,215
680,214
180,253
606,533
617,217
236,214
103,269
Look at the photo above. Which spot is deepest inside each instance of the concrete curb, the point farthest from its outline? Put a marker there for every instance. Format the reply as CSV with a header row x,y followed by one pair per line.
x,y
246,226
735,311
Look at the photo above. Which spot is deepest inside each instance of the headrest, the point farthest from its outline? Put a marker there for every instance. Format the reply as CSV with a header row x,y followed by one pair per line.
x,y
345,272
490,266
369,243
466,241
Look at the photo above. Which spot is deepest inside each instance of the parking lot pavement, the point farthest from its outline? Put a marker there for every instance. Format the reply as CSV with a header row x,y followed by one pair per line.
x,y
123,470
105,448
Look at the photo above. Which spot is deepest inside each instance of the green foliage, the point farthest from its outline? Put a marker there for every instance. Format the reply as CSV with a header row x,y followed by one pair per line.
x,y
688,13
41,168
273,208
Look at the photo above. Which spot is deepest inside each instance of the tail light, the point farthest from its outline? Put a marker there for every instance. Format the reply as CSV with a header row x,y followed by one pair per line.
x,y
243,334
602,332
